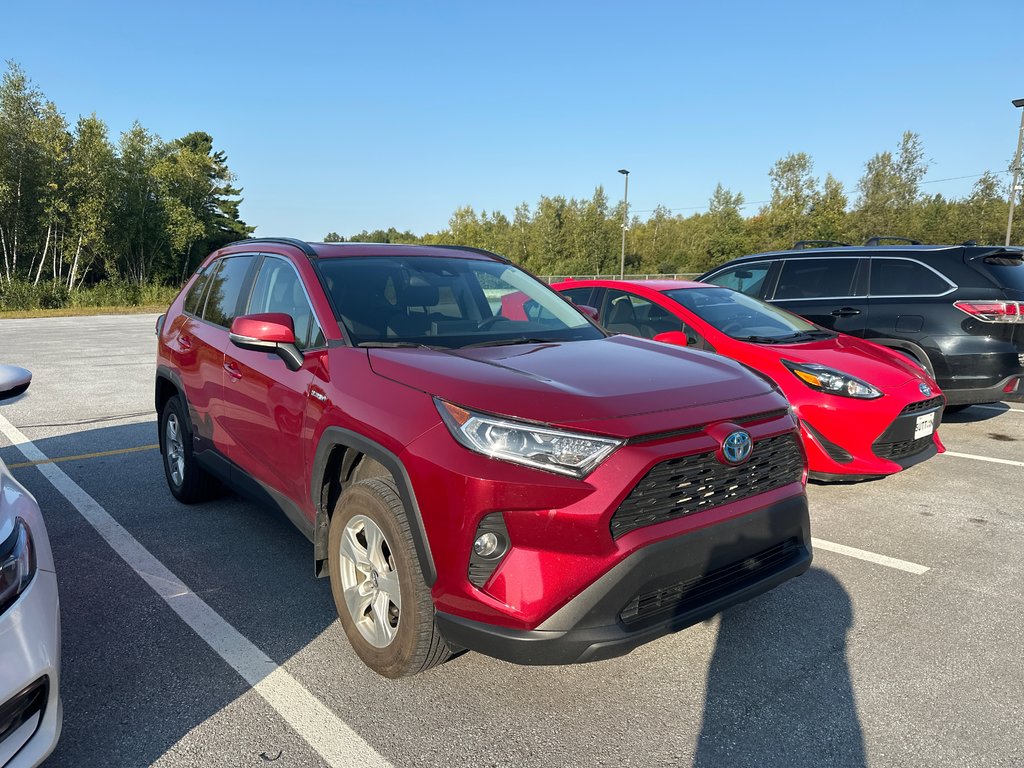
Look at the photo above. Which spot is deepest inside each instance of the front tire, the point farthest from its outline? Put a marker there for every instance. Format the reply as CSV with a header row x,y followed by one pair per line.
x,y
189,483
382,601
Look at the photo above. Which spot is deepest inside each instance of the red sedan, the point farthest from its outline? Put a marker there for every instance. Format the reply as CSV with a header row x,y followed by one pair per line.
x,y
865,411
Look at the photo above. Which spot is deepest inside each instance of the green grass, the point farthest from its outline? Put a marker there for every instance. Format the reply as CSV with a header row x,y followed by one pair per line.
x,y
23,299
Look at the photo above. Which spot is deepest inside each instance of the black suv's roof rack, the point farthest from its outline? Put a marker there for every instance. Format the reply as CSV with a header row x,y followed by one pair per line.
x,y
877,240
302,245
817,244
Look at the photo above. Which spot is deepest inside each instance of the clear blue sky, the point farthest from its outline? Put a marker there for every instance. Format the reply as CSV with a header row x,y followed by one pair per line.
x,y
361,115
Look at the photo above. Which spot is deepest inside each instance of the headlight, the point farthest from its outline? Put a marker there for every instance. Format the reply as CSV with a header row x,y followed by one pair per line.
x,y
554,450
17,564
825,379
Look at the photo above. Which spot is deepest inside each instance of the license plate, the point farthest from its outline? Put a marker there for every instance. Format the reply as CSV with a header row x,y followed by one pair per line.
x,y
925,425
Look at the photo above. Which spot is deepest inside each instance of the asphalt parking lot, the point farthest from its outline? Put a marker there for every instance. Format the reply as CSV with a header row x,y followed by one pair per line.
x,y
901,646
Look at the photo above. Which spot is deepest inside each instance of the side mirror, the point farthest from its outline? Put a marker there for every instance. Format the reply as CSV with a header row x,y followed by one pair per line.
x,y
13,381
268,332
672,337
590,312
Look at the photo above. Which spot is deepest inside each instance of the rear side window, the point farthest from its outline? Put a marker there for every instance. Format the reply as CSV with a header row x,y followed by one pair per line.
x,y
745,278
578,296
816,279
226,289
1008,273
194,299
278,288
903,277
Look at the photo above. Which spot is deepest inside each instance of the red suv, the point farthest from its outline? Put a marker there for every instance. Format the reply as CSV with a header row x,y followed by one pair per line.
x,y
477,464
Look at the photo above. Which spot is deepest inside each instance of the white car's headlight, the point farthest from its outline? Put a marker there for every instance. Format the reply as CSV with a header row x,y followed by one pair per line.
x,y
554,450
17,564
825,379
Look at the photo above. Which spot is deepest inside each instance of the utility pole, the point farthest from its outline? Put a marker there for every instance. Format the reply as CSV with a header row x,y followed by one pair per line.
x,y
625,217
1016,170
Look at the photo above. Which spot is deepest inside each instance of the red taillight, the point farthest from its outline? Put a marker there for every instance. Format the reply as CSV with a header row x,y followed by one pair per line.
x,y
1011,387
993,311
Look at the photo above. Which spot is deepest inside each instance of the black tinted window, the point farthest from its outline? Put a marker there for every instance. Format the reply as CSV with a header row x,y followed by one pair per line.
x,y
278,288
578,295
900,277
226,289
193,301
745,278
816,278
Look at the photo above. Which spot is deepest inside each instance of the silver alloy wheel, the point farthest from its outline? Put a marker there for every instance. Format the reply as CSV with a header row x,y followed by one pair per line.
x,y
369,581
174,450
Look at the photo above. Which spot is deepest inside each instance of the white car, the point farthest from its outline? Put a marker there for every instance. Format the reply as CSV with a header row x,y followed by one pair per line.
x,y
30,706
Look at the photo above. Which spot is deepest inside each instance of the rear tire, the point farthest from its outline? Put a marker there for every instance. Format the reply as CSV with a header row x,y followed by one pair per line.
x,y
382,601
189,483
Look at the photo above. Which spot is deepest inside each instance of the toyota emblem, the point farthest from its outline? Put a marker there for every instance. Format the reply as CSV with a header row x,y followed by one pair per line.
x,y
925,389
737,446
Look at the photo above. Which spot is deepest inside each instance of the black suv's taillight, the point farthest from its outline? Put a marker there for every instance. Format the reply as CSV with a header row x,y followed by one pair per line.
x,y
993,311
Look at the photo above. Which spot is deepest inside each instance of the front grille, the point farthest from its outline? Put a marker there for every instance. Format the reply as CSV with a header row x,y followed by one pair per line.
x,y
903,448
689,484
923,405
699,590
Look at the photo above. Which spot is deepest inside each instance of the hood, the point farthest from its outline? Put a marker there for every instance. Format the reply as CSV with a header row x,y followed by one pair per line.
x,y
873,363
590,385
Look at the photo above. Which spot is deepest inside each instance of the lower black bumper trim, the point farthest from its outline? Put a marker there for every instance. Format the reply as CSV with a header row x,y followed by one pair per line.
x,y
590,628
979,395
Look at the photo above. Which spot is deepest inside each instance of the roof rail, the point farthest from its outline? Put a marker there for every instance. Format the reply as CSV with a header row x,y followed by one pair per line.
x,y
817,244
302,245
877,240
471,249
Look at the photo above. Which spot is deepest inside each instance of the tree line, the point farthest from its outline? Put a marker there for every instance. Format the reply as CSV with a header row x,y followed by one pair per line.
x,y
560,236
77,208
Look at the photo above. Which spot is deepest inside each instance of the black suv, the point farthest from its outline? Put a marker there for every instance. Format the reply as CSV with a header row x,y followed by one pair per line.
x,y
958,310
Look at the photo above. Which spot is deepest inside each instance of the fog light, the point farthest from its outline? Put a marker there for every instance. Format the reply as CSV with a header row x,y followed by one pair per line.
x,y
487,544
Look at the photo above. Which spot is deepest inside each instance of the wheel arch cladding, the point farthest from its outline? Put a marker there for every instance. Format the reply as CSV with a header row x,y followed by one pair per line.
x,y
338,455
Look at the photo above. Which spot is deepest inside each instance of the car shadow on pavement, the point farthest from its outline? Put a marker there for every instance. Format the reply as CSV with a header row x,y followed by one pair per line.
x,y
136,679
975,414
778,687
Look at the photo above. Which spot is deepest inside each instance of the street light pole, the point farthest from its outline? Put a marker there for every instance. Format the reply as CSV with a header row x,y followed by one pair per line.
x,y
1016,170
625,221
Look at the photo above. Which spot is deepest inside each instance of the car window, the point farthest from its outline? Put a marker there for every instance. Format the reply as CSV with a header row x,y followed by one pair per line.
x,y
193,301
578,295
745,278
279,288
634,315
447,302
226,289
740,316
903,277
816,278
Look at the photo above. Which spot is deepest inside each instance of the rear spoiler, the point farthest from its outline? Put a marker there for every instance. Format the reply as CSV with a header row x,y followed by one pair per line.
x,y
1003,257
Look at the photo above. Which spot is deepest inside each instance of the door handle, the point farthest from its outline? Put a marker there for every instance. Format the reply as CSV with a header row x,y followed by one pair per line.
x,y
845,312
185,342
232,371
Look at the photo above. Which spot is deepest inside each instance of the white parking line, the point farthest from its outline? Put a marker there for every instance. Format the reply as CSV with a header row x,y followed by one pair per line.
x,y
1011,462
871,557
332,739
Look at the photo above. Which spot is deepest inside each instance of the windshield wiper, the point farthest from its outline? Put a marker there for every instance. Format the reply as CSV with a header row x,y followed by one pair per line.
x,y
509,342
393,345
762,339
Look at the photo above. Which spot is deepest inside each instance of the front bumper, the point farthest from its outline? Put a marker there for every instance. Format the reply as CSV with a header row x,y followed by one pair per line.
x,y
29,653
659,589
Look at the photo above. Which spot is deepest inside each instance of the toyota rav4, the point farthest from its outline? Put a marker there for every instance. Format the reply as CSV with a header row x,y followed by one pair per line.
x,y
476,463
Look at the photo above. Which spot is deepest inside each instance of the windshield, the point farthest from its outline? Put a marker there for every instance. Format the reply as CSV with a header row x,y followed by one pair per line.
x,y
447,302
744,317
